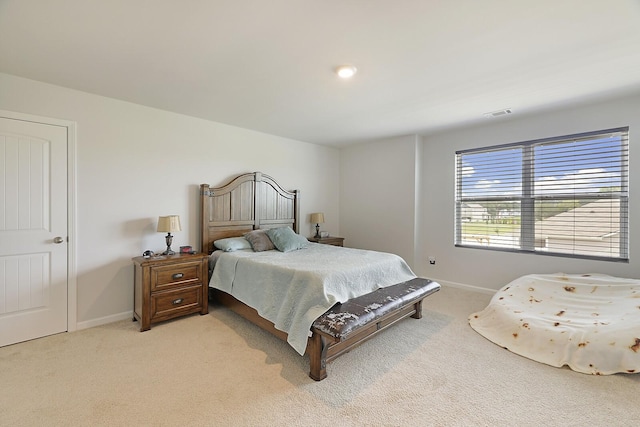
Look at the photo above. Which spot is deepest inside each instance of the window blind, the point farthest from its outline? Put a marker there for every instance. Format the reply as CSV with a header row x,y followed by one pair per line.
x,y
565,196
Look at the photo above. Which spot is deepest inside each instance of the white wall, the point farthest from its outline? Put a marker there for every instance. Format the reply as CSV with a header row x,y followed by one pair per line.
x,y
135,163
396,195
378,195
490,269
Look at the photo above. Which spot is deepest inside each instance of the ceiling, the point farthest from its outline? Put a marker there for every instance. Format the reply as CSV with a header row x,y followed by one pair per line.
x,y
423,65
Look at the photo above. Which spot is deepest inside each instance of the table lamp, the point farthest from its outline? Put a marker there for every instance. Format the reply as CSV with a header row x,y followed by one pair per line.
x,y
318,218
170,224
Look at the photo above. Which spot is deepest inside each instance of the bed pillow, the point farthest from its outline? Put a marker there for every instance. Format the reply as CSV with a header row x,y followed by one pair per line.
x,y
259,240
286,240
232,244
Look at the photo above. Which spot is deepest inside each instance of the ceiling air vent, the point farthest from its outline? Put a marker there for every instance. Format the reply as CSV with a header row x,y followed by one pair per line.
x,y
498,113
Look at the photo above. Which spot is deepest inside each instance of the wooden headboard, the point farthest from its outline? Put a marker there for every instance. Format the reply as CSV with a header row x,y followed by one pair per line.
x,y
249,202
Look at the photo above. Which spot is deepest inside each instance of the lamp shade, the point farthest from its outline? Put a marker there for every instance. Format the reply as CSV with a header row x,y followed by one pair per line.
x,y
169,223
317,218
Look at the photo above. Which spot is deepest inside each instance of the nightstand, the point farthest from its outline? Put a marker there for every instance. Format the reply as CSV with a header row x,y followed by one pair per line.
x,y
169,286
335,241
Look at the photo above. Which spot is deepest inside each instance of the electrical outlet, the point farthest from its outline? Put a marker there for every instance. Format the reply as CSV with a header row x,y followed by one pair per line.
x,y
432,260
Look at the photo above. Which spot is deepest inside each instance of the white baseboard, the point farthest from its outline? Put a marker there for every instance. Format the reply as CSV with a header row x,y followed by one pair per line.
x,y
467,287
104,320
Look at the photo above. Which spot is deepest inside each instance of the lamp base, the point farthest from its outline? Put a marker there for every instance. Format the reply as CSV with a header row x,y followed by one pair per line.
x,y
169,240
317,236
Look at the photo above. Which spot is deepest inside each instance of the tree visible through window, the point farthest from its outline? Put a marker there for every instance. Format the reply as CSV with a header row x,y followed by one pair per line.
x,y
566,196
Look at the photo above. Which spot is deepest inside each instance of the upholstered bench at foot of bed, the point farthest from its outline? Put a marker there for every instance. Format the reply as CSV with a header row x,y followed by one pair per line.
x,y
349,324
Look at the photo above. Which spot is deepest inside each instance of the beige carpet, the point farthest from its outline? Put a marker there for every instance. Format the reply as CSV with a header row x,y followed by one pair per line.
x,y
220,370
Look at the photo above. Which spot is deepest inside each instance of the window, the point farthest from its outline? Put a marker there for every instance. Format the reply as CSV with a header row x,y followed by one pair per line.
x,y
566,196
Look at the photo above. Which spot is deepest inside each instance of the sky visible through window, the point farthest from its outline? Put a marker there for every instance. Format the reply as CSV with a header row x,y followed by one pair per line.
x,y
576,167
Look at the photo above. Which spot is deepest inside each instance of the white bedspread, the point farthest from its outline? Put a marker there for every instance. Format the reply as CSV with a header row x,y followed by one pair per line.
x,y
293,289
590,322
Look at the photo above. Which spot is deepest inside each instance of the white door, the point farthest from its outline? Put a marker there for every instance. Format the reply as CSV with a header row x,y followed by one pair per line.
x,y
33,230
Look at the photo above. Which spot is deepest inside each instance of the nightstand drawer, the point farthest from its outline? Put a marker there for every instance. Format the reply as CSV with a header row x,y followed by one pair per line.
x,y
171,303
164,277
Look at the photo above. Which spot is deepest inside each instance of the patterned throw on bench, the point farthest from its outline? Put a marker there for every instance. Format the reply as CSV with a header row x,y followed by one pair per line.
x,y
343,319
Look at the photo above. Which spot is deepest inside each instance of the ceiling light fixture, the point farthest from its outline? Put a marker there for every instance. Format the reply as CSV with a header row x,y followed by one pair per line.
x,y
346,71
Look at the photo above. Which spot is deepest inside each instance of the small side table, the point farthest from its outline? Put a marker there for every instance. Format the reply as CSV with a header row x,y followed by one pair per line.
x,y
169,286
335,241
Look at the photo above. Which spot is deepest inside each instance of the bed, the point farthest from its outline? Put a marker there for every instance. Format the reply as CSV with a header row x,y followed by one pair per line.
x,y
588,322
255,201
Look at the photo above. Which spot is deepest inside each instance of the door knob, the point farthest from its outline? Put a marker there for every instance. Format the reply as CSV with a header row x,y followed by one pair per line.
x,y
58,239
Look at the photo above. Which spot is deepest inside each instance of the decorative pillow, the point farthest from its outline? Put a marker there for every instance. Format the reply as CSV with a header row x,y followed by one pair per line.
x,y
259,240
232,244
286,240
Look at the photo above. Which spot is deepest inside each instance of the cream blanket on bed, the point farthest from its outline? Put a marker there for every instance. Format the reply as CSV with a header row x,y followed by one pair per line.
x,y
293,289
590,322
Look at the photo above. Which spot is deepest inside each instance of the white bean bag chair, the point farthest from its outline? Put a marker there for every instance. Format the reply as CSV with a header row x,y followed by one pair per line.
x,y
590,322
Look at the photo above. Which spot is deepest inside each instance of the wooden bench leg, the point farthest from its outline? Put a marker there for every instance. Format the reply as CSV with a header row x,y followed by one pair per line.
x,y
318,356
418,313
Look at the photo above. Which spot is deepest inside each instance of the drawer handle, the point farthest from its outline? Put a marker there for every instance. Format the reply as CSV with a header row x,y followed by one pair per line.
x,y
177,276
177,301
